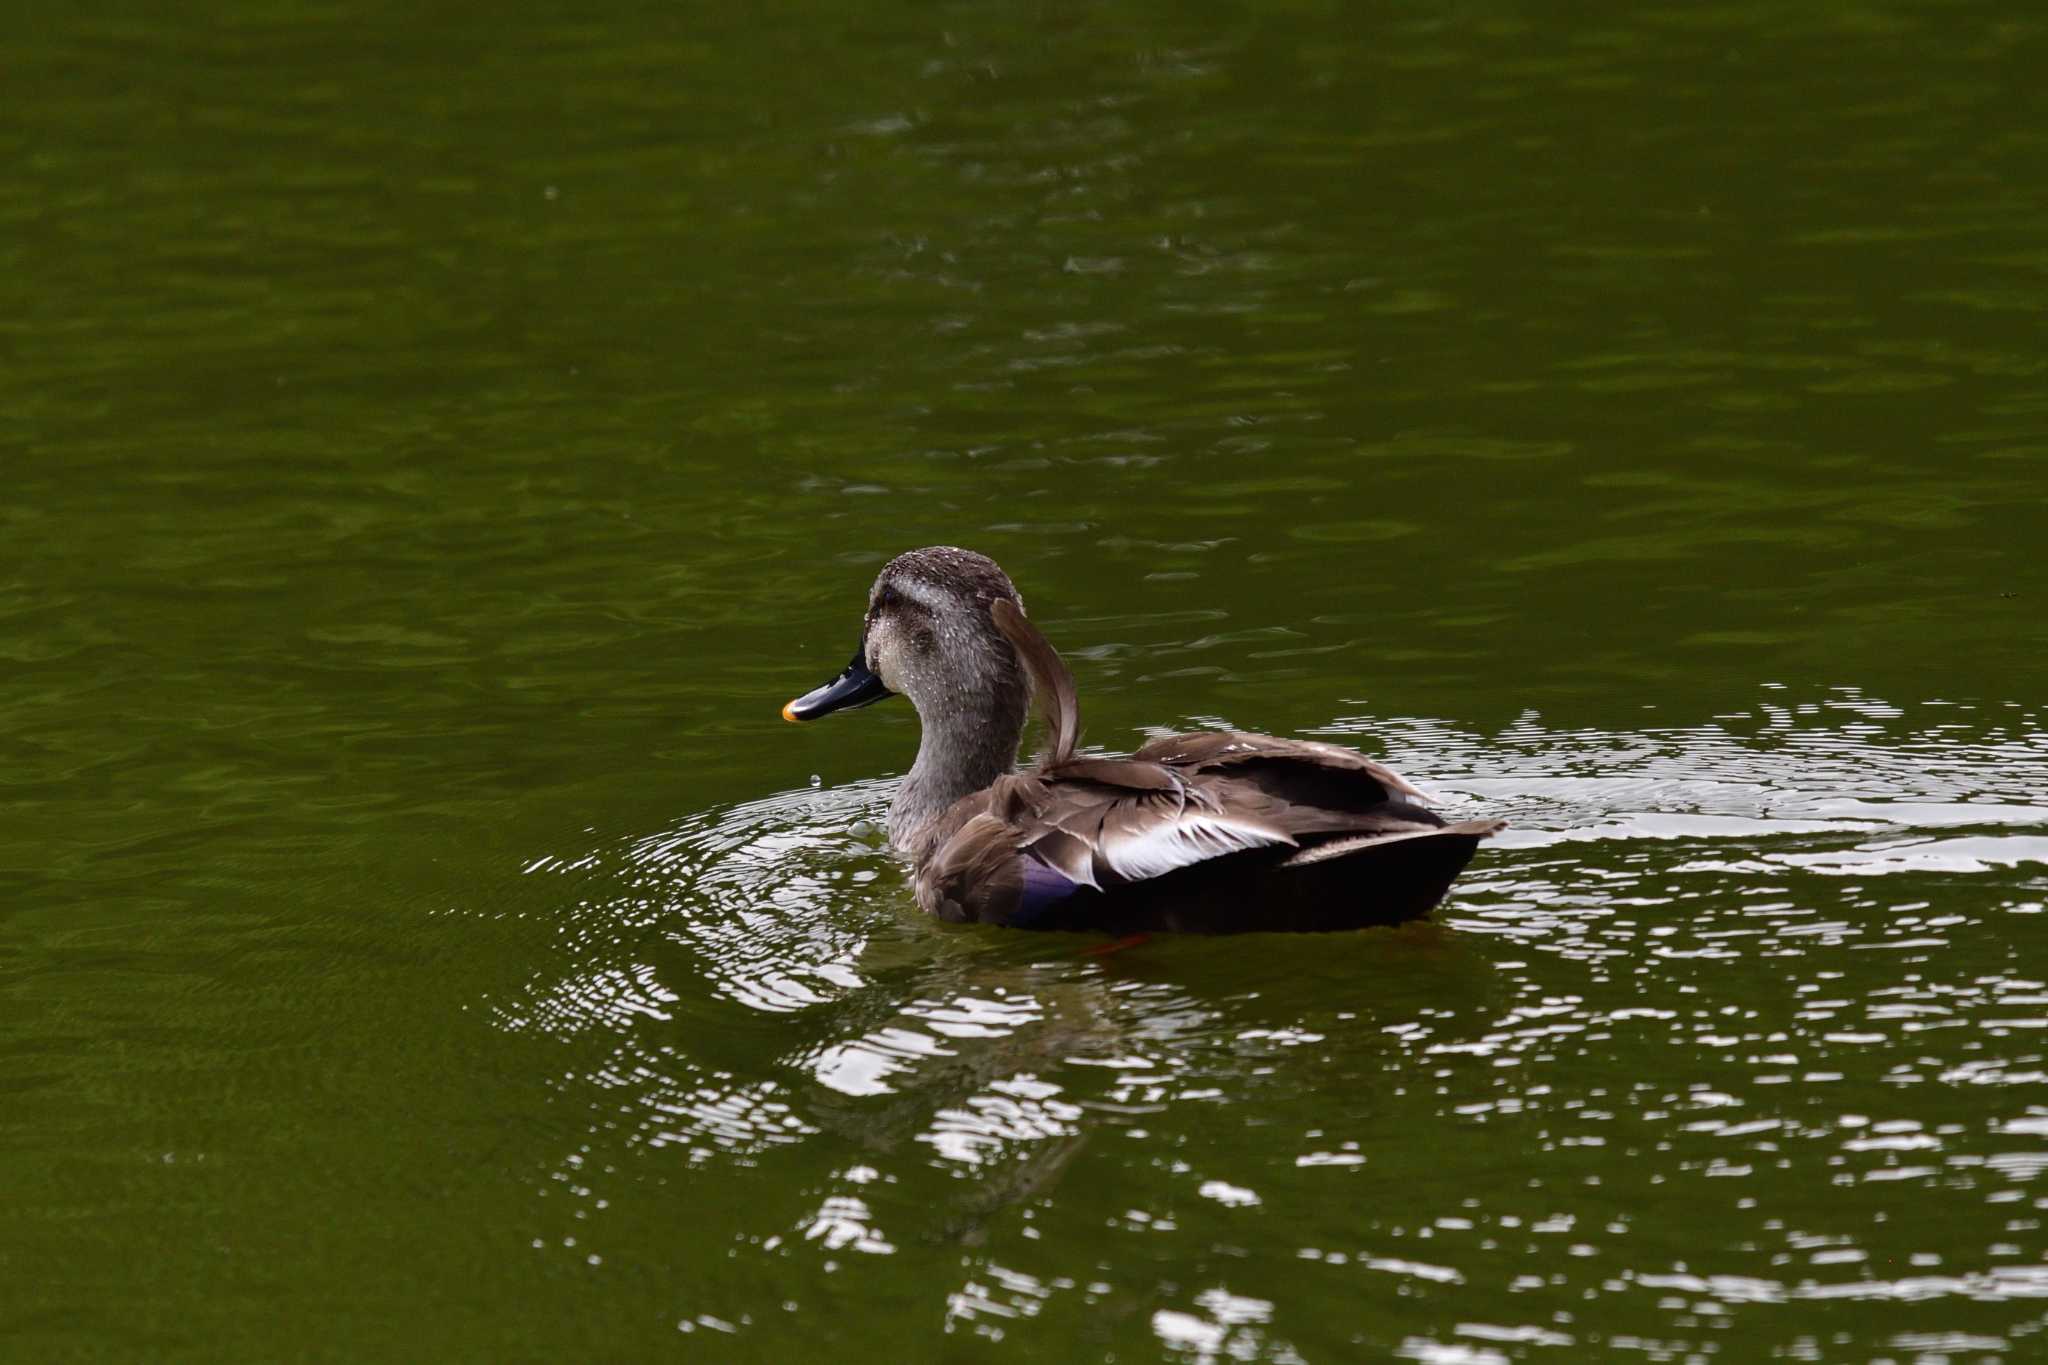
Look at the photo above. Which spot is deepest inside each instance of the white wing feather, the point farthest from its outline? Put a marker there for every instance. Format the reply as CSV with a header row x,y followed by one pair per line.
x,y
1195,837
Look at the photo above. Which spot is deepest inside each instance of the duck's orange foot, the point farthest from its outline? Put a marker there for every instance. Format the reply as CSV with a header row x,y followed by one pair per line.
x,y
1115,945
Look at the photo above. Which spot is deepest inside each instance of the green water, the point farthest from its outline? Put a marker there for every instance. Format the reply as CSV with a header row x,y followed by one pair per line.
x,y
436,442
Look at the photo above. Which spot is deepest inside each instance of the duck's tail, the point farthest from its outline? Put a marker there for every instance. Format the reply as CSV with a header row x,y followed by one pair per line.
x,y
1352,881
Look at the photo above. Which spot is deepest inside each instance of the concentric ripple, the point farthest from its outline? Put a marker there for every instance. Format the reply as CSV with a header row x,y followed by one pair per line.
x,y
1690,1063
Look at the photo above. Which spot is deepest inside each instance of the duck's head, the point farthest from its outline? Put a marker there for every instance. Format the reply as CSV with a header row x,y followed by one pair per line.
x,y
929,636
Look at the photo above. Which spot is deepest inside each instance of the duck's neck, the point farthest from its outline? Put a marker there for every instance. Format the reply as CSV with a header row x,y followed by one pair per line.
x,y
958,756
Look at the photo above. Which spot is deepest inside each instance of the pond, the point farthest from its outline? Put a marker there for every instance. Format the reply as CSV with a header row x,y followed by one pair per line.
x,y
439,444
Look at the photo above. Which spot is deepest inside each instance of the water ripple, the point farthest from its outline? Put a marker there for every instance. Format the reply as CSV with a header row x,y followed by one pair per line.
x,y
1710,960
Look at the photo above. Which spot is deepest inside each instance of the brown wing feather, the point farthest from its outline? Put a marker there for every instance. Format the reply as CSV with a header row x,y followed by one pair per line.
x,y
974,874
1224,748
1120,772
1051,683
1071,855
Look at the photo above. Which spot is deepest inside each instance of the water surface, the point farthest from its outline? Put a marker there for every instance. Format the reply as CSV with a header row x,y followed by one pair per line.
x,y
437,445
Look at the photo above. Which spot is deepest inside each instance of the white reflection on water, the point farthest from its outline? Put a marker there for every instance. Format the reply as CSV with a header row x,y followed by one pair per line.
x,y
1780,777
1227,1327
1768,977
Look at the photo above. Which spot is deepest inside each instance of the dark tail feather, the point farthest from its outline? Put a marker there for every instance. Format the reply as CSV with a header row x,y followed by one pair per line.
x,y
1353,882
1378,881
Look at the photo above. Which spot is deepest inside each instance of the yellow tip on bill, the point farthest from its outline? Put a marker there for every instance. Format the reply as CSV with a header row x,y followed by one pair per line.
x,y
786,712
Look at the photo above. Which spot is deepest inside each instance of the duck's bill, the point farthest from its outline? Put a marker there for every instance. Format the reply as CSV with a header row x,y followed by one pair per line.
x,y
855,687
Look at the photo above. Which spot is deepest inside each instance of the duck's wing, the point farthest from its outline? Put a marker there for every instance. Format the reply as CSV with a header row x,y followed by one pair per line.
x,y
1222,750
1034,840
1110,822
1336,798
1039,849
974,874
1187,799
973,868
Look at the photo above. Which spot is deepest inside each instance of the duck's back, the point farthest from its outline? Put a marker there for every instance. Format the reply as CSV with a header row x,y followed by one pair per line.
x,y
1219,832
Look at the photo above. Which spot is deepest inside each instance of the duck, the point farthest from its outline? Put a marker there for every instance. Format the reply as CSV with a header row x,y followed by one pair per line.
x,y
1219,831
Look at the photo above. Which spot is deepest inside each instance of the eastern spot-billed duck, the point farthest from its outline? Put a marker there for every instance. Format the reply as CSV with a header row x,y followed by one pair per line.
x,y
1216,832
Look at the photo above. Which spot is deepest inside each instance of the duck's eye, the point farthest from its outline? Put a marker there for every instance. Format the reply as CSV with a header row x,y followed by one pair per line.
x,y
884,600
